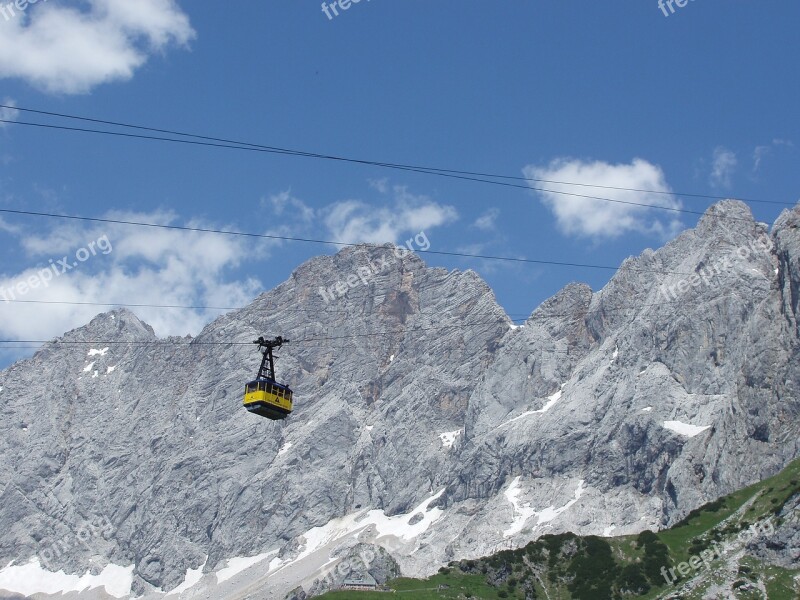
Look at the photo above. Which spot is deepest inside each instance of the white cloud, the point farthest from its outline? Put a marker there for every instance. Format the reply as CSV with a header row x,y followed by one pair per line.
x,y
8,227
143,266
723,167
8,114
601,219
486,222
354,221
63,49
381,185
761,152
285,203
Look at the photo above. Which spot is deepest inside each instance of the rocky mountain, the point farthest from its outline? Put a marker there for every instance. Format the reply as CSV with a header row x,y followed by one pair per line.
x,y
427,426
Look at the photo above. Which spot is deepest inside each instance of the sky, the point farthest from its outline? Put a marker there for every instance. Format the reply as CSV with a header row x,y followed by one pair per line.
x,y
699,99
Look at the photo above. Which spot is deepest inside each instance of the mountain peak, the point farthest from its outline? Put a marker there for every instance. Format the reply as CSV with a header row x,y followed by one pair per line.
x,y
729,220
118,324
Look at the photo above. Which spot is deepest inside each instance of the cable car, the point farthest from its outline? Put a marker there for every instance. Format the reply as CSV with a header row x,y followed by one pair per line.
x,y
264,396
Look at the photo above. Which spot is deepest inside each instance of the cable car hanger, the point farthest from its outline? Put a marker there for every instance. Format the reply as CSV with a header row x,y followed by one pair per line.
x,y
264,396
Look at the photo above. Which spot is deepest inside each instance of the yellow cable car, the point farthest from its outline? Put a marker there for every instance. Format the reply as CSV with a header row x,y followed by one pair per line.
x,y
264,396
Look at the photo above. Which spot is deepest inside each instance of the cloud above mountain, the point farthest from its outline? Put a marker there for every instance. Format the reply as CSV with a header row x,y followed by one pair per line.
x,y
405,213
571,189
162,266
133,265
723,166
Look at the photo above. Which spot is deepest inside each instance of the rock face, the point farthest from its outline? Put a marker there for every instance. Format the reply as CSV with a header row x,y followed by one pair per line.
x,y
782,548
425,422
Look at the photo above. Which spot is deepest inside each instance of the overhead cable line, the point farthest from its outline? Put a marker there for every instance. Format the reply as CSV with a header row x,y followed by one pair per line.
x,y
145,305
278,311
416,168
198,341
428,172
318,241
281,311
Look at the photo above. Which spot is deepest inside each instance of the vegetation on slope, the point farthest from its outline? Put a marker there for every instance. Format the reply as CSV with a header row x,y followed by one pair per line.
x,y
567,566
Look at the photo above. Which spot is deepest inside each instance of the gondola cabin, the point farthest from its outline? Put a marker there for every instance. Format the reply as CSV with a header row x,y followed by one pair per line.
x,y
268,399
265,396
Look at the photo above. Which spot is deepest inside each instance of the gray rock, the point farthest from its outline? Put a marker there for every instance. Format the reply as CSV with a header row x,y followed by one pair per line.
x,y
782,548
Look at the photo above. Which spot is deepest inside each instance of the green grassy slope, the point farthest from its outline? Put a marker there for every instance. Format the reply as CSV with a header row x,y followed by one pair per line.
x,y
567,567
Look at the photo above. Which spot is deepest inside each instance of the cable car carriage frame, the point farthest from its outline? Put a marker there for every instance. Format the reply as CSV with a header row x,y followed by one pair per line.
x,y
264,396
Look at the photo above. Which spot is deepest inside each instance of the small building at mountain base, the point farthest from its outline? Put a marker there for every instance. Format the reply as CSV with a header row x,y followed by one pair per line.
x,y
360,582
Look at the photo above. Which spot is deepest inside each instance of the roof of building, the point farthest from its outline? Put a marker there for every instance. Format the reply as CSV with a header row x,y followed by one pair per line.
x,y
360,579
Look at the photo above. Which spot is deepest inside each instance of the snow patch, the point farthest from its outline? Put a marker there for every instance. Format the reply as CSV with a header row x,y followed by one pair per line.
x,y
449,438
95,375
647,409
551,401
192,577
94,352
524,512
616,353
285,448
518,417
521,512
391,358
341,527
370,427
685,428
110,370
276,564
88,367
239,564
32,579
607,531
352,524
550,513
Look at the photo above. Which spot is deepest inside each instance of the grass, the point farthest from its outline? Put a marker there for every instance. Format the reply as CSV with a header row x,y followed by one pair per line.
x,y
459,585
779,582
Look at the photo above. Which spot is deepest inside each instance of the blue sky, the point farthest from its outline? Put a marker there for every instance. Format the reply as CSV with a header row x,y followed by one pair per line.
x,y
704,100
